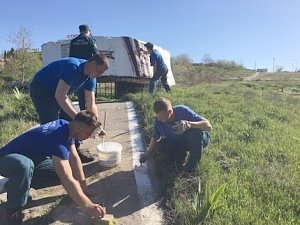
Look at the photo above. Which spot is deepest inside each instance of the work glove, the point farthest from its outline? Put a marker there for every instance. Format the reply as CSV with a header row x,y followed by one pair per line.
x,y
144,157
180,127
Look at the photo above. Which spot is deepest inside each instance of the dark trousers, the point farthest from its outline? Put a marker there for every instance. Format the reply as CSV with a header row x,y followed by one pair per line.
x,y
81,99
193,140
155,79
45,103
22,174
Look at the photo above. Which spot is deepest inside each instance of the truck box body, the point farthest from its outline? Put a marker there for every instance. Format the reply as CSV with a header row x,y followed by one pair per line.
x,y
125,57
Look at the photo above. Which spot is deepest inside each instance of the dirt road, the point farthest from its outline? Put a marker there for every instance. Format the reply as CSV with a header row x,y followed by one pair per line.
x,y
252,77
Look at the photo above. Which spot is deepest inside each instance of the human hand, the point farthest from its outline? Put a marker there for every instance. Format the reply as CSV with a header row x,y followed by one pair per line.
x,y
98,132
96,211
102,133
144,157
180,127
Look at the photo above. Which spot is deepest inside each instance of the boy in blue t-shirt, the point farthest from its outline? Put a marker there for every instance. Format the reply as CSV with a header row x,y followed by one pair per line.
x,y
177,130
48,151
51,85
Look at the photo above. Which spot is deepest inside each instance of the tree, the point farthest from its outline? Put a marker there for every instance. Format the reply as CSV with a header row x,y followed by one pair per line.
x,y
22,63
206,59
182,59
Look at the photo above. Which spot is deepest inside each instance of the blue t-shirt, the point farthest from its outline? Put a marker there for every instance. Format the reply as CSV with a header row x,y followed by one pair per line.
x,y
181,112
44,141
157,60
70,70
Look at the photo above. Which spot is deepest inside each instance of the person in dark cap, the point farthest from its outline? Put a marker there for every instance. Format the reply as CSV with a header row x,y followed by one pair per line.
x,y
160,69
83,47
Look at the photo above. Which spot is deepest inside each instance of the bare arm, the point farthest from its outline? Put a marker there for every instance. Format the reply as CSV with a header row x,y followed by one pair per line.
x,y
63,100
90,102
203,125
152,145
77,170
72,187
76,164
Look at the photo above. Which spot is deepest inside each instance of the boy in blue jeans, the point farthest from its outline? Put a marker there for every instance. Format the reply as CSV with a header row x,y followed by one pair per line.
x,y
177,130
48,151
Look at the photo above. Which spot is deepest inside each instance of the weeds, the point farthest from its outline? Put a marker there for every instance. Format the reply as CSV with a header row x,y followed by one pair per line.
x,y
17,93
210,204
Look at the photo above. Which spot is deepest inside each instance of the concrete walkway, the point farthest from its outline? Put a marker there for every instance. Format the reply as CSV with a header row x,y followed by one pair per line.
x,y
126,190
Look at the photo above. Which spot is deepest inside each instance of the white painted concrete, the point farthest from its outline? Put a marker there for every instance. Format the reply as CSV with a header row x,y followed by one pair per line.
x,y
150,214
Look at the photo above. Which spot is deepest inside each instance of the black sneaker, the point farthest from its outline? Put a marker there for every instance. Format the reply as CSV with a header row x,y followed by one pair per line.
x,y
15,216
85,158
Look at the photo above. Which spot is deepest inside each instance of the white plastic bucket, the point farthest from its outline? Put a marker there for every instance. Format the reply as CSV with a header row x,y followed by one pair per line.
x,y
3,180
109,153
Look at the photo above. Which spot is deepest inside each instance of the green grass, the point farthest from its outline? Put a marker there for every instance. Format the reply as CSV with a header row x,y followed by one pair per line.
x,y
254,149
17,115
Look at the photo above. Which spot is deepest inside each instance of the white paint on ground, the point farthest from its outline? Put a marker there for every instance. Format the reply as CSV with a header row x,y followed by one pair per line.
x,y
121,201
150,214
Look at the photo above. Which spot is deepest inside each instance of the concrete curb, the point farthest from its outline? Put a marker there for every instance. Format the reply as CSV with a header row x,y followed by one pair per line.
x,y
150,213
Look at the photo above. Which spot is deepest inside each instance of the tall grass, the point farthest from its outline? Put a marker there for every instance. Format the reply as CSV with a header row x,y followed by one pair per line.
x,y
254,149
17,115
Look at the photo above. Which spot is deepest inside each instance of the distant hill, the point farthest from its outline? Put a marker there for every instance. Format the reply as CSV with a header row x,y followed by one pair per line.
x,y
189,74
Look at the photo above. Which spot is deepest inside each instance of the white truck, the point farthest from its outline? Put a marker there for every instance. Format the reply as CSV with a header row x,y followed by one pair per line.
x,y
129,66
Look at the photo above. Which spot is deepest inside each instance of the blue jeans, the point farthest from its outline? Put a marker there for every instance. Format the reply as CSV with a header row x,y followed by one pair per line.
x,y
23,174
155,79
193,140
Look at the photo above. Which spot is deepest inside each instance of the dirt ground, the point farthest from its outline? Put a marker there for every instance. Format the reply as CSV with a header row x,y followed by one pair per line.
x,y
116,187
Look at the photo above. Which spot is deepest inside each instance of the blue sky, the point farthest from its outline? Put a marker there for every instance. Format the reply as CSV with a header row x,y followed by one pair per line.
x,y
250,32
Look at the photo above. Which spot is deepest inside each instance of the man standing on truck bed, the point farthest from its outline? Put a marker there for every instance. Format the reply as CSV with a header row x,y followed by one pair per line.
x,y
160,69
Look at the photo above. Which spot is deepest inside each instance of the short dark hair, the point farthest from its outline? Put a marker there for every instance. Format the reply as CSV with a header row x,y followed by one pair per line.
x,y
88,118
99,58
149,45
84,28
162,105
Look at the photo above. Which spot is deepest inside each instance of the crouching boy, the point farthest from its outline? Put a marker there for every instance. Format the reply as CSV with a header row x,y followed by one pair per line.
x,y
50,150
176,131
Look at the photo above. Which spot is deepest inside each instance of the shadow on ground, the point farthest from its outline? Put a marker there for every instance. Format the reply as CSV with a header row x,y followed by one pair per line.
x,y
117,191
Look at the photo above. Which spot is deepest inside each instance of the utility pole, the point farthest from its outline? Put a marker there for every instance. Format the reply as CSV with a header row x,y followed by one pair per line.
x,y
273,64
295,65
